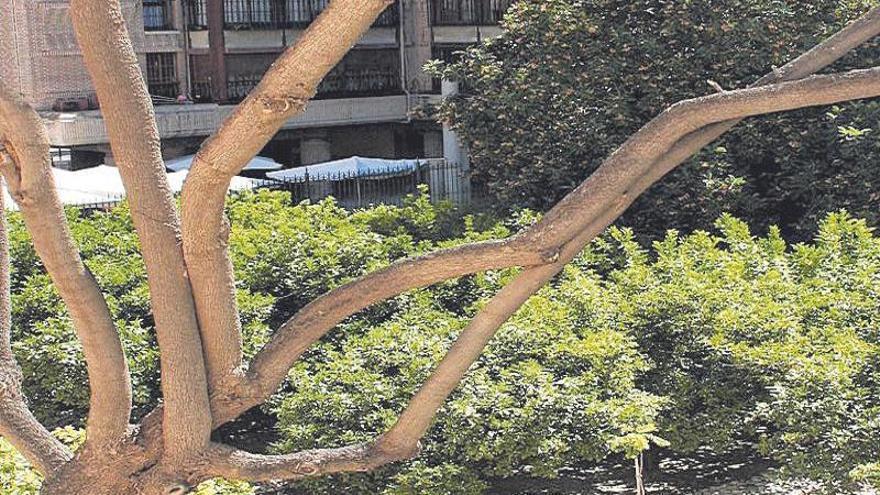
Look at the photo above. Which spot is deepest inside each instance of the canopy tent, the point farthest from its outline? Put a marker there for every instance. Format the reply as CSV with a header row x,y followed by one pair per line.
x,y
346,168
103,184
258,163
176,180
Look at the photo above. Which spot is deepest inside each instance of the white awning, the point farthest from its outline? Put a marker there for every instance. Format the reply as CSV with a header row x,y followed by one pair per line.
x,y
103,184
176,180
257,163
346,168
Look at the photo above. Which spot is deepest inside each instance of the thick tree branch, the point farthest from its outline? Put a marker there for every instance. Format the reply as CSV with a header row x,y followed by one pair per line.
x,y
826,53
17,424
284,92
29,176
818,90
610,189
401,439
415,420
229,463
617,179
134,139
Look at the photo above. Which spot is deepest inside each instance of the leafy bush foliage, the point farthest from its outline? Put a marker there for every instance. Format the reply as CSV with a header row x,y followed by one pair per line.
x,y
284,255
702,340
705,340
570,80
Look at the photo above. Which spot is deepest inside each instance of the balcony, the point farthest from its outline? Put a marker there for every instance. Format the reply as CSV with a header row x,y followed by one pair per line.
x,y
351,83
270,14
468,12
82,128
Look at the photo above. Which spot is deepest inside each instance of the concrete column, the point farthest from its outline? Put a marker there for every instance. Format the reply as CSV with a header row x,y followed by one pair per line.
x,y
417,41
458,185
217,48
178,23
315,148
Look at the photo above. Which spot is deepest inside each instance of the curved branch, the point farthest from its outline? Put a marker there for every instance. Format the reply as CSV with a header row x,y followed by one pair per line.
x,y
134,139
853,35
318,317
29,176
819,90
226,462
415,420
283,92
610,190
618,179
17,424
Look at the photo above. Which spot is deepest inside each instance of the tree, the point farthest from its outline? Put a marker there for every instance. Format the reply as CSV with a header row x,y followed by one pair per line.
x,y
204,381
536,129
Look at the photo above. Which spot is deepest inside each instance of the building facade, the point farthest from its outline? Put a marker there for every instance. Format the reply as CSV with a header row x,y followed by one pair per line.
x,y
201,57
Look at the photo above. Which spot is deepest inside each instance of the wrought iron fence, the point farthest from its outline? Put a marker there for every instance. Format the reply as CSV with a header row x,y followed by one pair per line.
x,y
468,12
444,182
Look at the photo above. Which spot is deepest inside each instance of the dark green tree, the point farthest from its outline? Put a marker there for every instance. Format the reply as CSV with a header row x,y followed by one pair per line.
x,y
570,80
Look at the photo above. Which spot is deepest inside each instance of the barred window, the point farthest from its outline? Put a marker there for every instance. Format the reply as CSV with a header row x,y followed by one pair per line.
x,y
157,15
196,12
277,14
162,75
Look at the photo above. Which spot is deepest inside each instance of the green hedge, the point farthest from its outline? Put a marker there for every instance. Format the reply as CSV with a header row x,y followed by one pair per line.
x,y
568,81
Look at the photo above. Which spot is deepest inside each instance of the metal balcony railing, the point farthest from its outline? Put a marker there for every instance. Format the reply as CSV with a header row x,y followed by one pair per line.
x,y
270,14
165,92
357,83
468,12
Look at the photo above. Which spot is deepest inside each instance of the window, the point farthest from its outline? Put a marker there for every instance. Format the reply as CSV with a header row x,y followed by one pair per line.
x,y
280,14
157,15
162,76
196,14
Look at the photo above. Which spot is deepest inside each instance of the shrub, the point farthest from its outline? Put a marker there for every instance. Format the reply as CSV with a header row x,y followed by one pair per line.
x,y
547,393
703,341
284,256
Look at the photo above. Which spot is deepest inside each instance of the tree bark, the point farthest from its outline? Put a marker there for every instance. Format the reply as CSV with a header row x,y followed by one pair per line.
x,y
134,140
29,176
283,93
17,424
591,207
